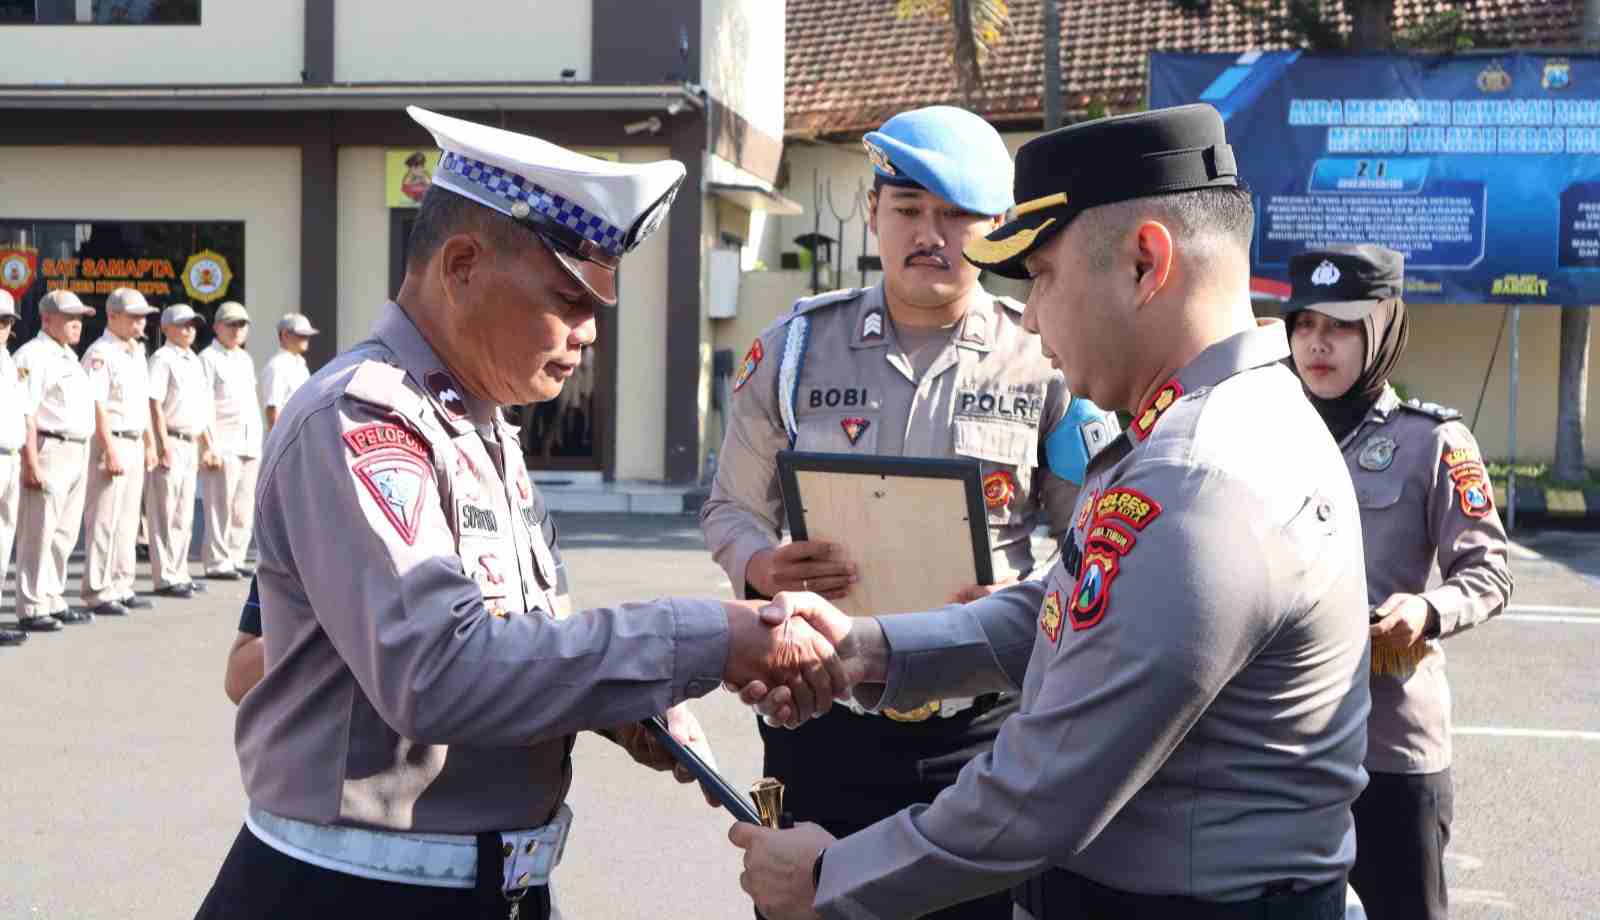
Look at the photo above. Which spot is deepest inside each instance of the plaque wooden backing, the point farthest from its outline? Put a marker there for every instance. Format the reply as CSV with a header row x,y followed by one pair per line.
x,y
917,529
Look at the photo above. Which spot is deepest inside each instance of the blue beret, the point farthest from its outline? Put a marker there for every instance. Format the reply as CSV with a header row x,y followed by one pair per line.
x,y
950,152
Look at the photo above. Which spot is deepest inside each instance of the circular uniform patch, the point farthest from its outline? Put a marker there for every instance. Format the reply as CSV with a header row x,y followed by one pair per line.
x,y
1377,454
999,488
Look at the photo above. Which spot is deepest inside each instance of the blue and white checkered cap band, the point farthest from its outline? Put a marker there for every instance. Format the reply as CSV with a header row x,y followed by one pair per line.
x,y
513,188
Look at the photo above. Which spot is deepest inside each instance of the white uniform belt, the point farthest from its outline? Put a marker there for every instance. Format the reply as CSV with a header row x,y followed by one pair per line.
x,y
411,858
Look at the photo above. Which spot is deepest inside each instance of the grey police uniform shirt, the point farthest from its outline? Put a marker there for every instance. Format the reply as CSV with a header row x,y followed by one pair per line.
x,y
989,395
1194,699
1428,516
417,676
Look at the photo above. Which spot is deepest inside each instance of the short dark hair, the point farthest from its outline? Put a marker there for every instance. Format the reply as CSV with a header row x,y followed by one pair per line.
x,y
444,214
1195,218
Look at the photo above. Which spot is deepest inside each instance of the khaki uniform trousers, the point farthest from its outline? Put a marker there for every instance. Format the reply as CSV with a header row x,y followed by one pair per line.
x,y
48,527
230,498
169,504
111,522
10,495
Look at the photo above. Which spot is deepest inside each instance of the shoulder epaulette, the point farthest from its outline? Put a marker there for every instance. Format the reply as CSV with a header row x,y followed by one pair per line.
x,y
1433,410
806,304
1012,304
384,385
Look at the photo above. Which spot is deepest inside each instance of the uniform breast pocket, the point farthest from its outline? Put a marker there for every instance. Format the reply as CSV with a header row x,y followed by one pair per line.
x,y
1007,454
839,433
1378,494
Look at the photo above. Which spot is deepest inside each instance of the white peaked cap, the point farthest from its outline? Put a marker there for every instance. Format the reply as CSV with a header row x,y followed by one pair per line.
x,y
589,211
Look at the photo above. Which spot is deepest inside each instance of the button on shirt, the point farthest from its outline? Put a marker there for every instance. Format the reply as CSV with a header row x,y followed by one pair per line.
x,y
283,373
15,403
1193,671
233,391
119,380
1410,471
178,381
58,389
419,674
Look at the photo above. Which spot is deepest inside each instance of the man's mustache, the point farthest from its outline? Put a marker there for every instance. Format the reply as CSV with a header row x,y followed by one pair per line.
x,y
932,254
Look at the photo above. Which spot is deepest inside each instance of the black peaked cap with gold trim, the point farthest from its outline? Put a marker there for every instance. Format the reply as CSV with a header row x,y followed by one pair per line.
x,y
1067,171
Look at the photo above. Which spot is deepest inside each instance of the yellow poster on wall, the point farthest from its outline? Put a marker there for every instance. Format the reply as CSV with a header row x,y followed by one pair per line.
x,y
408,171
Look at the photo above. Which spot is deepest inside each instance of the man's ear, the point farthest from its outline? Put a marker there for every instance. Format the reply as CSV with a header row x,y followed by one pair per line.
x,y
872,210
1154,250
461,259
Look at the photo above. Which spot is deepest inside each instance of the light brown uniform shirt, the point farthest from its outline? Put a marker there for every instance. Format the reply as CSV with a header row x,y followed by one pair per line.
x,y
58,390
417,676
1193,671
989,394
178,382
119,379
1427,515
15,403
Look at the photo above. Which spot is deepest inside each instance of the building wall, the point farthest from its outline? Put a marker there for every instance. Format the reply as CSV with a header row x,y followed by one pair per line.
x,y
501,41
236,42
741,59
363,242
258,185
641,349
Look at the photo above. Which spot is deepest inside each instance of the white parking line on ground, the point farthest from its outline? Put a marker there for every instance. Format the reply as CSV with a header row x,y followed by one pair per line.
x,y
1536,618
1549,733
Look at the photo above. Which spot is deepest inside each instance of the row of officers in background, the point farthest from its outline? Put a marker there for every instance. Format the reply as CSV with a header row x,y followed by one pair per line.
x,y
113,441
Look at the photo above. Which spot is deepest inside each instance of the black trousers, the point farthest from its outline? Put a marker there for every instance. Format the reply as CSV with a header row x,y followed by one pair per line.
x,y
257,882
847,772
1402,827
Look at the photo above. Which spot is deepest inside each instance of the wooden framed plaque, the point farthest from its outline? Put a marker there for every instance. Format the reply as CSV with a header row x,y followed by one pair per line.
x,y
917,529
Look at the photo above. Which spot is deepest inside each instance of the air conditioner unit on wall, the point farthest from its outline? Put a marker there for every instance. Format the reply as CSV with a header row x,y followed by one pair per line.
x,y
723,284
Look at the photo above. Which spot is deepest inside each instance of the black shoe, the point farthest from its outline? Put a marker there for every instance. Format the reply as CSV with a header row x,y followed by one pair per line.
x,y
135,602
39,624
110,609
245,571
229,575
12,637
183,590
73,617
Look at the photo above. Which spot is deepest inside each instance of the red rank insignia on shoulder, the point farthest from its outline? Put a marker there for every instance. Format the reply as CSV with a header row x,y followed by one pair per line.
x,y
854,428
1050,616
1145,421
752,360
999,488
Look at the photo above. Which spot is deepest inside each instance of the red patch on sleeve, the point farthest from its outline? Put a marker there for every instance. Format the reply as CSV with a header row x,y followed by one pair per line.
x,y
382,435
397,482
1130,506
1091,597
752,360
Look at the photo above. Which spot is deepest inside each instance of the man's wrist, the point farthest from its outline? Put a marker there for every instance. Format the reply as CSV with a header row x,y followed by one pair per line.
x,y
868,648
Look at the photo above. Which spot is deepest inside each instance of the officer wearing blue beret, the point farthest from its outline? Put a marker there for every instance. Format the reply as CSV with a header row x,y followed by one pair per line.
x,y
924,364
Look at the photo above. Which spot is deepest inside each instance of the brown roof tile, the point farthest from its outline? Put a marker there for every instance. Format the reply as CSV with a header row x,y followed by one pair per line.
x,y
851,63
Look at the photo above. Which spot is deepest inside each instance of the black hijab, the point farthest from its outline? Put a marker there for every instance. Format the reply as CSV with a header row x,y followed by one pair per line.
x,y
1385,330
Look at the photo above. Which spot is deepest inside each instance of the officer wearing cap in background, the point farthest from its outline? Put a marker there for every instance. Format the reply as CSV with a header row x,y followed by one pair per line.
x,y
55,461
407,751
924,364
1193,671
120,455
180,418
285,371
1425,500
230,486
13,433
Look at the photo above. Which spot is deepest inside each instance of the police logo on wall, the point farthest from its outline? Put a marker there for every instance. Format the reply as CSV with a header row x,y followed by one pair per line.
x,y
206,276
17,269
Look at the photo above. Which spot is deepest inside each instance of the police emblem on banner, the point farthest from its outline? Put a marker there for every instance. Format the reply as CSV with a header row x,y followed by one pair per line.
x,y
1494,78
1377,454
17,268
206,276
1557,74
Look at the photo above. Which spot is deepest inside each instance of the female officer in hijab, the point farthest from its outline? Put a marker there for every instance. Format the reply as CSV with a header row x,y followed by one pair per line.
x,y
1425,496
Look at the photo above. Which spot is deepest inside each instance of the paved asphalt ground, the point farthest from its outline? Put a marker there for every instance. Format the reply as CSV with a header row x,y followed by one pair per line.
x,y
119,792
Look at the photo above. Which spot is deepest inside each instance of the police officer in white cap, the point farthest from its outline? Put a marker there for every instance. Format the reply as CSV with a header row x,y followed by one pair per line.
x,y
55,458
407,751
13,432
119,456
180,418
230,487
286,371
